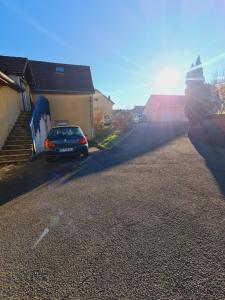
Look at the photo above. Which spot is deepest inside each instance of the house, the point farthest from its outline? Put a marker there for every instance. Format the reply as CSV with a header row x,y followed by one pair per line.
x,y
102,107
138,110
36,95
165,108
69,90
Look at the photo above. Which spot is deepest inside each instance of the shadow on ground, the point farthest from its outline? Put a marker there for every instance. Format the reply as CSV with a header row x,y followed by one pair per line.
x,y
214,159
144,138
23,179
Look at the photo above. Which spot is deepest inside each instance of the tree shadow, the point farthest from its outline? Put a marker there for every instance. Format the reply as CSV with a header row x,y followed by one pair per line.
x,y
214,159
145,138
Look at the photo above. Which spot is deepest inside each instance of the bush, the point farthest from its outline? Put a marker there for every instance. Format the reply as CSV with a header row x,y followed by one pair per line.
x,y
122,120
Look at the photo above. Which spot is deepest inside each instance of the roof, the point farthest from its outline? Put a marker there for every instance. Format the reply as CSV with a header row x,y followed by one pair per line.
x,y
7,81
71,78
13,65
107,98
138,109
167,100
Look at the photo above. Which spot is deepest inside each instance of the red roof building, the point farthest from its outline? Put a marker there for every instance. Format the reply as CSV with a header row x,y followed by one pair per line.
x,y
165,108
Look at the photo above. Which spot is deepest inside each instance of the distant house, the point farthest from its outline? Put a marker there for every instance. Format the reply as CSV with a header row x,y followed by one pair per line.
x,y
102,109
138,110
165,108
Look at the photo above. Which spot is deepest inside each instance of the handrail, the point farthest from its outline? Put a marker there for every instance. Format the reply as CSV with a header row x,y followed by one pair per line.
x,y
41,107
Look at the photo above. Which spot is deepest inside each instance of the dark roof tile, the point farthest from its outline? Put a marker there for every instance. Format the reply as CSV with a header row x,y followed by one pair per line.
x,y
12,65
68,78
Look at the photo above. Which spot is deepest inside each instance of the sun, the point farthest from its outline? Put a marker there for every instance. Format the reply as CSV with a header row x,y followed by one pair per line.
x,y
167,80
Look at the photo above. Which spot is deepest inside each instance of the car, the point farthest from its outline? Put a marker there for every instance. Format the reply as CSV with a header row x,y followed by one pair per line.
x,y
139,118
107,120
65,141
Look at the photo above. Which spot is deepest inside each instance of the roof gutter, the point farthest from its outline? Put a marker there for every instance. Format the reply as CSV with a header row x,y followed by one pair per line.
x,y
62,92
7,81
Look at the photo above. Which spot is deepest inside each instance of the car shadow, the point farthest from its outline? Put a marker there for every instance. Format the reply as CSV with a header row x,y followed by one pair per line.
x,y
214,159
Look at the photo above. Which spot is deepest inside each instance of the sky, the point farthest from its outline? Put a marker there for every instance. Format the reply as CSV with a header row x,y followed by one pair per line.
x,y
135,48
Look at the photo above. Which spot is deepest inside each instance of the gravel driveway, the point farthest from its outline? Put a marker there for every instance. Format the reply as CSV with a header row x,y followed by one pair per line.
x,y
144,220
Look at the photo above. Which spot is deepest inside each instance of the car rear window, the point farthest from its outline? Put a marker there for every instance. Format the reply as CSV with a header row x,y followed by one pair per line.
x,y
65,132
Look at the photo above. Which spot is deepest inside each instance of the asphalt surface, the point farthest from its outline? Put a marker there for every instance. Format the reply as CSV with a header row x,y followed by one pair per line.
x,y
144,220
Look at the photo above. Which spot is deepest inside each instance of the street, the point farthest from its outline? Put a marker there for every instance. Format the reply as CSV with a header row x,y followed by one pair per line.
x,y
144,220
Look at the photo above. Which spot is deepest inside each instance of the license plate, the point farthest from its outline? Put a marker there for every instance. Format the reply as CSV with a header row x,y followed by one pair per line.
x,y
65,149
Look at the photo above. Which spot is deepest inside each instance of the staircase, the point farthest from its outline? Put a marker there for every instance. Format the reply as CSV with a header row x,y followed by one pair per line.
x,y
18,146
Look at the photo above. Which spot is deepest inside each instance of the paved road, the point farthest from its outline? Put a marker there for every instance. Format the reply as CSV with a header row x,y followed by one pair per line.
x,y
143,221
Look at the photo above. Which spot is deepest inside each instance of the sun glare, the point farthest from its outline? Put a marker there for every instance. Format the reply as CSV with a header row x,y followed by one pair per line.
x,y
167,80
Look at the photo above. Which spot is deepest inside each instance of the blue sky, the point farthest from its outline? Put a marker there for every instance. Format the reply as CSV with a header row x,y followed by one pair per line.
x,y
131,45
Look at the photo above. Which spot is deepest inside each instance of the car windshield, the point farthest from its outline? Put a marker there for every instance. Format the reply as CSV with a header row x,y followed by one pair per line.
x,y
65,132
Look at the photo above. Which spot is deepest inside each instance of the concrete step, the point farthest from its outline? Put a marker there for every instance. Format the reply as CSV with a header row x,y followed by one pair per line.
x,y
19,137
18,124
20,133
14,157
18,142
13,161
19,128
16,151
16,147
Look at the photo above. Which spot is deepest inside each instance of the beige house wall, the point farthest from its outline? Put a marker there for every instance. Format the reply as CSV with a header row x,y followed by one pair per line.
x,y
102,104
10,108
75,109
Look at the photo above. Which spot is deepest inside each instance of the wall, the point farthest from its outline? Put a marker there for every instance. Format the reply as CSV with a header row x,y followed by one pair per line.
x,y
76,109
150,111
156,113
10,107
102,104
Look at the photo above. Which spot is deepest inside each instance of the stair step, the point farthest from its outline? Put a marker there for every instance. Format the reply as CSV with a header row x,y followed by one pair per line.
x,y
17,147
16,157
16,151
19,133
18,142
21,124
13,161
19,137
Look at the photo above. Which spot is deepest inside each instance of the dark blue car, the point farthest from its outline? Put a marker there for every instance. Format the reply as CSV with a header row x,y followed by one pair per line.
x,y
65,141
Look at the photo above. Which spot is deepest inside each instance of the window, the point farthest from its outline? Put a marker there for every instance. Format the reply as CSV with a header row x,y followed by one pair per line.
x,y
59,69
65,132
61,122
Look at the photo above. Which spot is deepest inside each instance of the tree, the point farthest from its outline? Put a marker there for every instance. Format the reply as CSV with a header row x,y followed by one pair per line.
x,y
98,118
201,98
221,93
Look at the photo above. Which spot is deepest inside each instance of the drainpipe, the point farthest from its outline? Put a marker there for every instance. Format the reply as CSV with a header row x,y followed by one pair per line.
x,y
91,117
